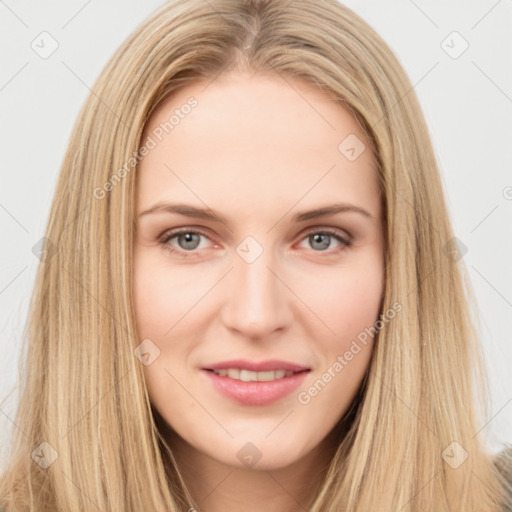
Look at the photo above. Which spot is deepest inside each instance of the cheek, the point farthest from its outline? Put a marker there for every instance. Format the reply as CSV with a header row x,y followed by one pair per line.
x,y
162,295
348,300
348,303
359,305
150,300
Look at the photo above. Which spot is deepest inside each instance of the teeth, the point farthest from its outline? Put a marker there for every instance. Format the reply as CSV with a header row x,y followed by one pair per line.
x,y
250,376
266,376
247,375
234,373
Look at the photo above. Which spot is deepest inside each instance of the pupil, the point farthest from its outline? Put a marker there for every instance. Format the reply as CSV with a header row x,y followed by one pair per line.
x,y
319,237
189,240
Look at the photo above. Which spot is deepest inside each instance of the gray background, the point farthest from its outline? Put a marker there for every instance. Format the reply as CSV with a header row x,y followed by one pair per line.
x,y
466,98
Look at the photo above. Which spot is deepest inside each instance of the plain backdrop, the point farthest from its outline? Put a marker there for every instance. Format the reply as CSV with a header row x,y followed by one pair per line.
x,y
458,55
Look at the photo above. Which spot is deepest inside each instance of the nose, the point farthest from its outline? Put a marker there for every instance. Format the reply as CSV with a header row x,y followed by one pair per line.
x,y
257,300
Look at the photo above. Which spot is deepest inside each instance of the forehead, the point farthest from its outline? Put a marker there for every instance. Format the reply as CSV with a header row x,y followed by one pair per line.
x,y
259,138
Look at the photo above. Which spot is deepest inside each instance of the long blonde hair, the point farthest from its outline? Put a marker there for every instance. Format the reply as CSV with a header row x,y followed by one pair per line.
x,y
425,395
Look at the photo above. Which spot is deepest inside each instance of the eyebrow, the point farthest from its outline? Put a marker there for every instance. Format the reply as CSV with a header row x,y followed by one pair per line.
x,y
188,210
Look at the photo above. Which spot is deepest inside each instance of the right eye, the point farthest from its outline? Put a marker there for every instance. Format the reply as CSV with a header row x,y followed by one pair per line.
x,y
187,239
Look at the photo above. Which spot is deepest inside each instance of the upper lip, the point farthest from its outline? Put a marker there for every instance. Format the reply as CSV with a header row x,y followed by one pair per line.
x,y
262,366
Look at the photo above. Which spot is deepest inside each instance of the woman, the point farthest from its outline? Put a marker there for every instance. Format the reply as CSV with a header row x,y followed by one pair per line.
x,y
327,365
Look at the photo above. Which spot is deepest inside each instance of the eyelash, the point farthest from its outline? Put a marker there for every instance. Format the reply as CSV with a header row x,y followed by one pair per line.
x,y
169,235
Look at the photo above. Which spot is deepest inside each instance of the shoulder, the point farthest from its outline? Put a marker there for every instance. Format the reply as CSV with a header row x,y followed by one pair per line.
x,y
503,462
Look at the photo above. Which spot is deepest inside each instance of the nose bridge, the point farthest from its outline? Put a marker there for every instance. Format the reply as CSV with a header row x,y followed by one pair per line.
x,y
258,302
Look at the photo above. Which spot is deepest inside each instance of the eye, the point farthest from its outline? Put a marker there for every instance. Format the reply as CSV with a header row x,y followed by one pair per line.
x,y
320,239
188,240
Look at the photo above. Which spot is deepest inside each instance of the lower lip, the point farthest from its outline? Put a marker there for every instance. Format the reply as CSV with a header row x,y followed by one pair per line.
x,y
256,393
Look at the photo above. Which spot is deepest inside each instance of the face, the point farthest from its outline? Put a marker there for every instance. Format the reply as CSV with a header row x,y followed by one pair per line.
x,y
253,282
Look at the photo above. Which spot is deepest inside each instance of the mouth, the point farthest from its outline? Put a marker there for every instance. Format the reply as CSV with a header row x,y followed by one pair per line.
x,y
254,376
250,386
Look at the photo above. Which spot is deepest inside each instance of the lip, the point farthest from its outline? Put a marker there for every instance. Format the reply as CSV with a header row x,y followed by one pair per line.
x,y
255,393
262,366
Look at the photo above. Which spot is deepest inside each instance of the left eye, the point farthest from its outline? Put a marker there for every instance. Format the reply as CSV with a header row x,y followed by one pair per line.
x,y
189,240
322,239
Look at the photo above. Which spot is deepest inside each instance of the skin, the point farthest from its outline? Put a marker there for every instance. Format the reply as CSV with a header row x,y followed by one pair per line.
x,y
258,149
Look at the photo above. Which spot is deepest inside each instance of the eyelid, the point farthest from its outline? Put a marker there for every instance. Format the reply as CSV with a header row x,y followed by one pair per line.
x,y
337,232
